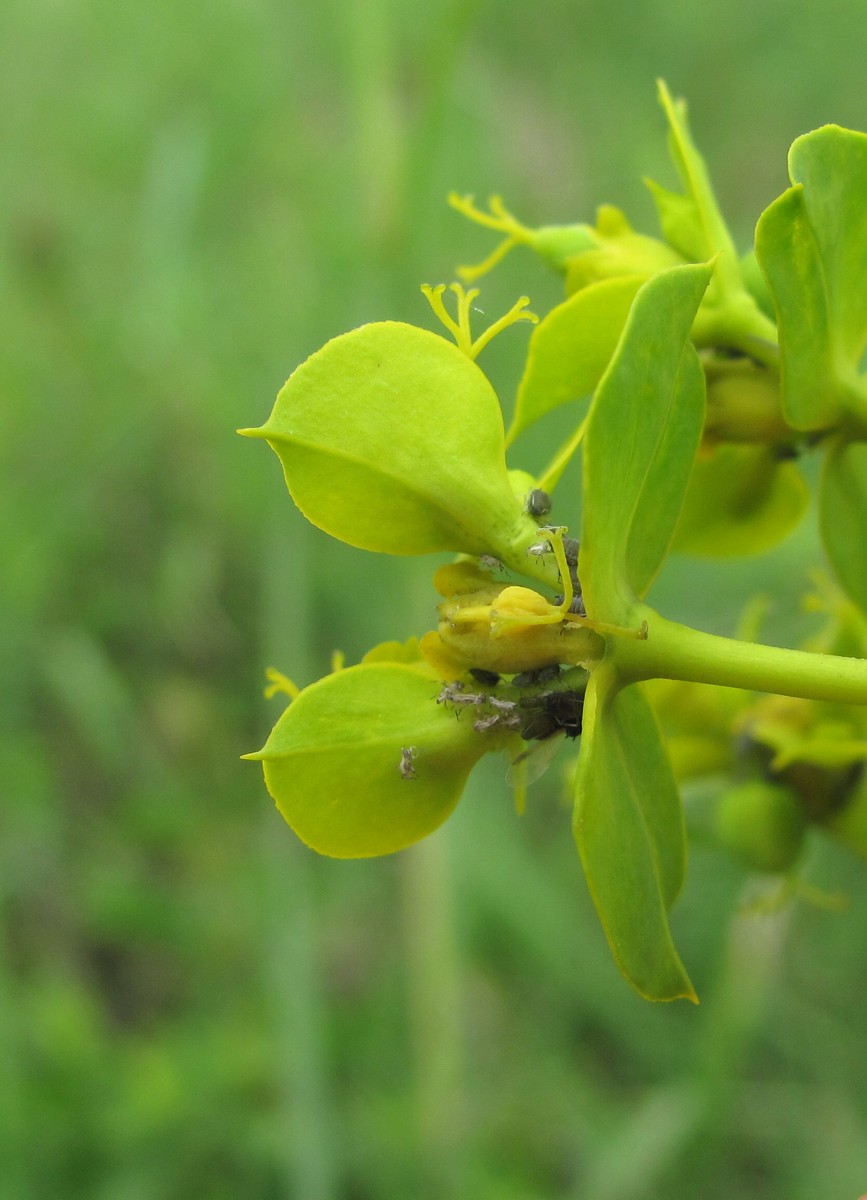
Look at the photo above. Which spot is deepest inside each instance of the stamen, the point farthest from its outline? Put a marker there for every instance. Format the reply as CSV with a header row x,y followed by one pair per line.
x,y
498,218
460,329
280,683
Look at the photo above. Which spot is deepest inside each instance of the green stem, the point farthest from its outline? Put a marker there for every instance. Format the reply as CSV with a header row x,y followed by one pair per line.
x,y
673,651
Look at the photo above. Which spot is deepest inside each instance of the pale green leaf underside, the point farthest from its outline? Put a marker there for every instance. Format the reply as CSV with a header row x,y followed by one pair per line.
x,y
740,500
812,246
392,439
843,515
642,437
831,166
790,258
570,349
629,831
332,760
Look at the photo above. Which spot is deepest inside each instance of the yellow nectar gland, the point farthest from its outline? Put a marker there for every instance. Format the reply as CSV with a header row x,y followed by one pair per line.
x,y
513,628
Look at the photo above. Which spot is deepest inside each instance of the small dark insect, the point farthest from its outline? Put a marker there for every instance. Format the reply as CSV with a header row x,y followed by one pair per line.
x,y
538,503
486,678
577,605
532,678
407,754
571,546
551,712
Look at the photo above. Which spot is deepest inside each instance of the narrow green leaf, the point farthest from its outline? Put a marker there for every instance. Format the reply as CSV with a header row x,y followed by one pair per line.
x,y
570,349
692,222
333,761
391,439
694,225
843,515
740,500
629,830
643,434
812,246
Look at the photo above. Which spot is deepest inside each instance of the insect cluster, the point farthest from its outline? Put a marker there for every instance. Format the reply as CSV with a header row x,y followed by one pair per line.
x,y
538,505
531,710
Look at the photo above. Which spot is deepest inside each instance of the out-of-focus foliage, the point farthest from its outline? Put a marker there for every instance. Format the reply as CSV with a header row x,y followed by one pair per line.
x,y
189,1004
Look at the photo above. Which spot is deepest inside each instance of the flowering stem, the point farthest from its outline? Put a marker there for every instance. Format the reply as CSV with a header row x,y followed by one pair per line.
x,y
673,651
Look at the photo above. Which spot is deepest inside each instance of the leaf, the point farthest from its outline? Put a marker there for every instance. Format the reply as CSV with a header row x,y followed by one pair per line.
x,y
831,166
332,761
642,437
629,830
570,349
811,244
692,223
843,515
740,500
791,261
392,439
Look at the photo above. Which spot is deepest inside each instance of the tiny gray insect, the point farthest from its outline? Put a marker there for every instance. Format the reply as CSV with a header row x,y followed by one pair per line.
x,y
407,770
453,693
490,563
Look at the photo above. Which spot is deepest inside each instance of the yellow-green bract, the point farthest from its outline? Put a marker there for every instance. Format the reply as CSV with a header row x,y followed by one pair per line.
x,y
392,439
333,761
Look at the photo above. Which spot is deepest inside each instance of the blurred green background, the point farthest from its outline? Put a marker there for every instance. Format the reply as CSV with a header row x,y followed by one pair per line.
x,y
192,1005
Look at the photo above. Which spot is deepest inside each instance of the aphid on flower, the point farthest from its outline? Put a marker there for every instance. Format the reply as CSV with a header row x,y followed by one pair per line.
x,y
489,563
544,717
405,766
577,605
533,678
484,677
548,713
537,504
453,693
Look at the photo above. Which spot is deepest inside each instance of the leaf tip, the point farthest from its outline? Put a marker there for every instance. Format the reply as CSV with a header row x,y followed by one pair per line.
x,y
258,432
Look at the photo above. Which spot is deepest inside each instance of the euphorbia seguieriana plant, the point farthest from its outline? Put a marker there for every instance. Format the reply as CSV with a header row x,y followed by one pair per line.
x,y
704,377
